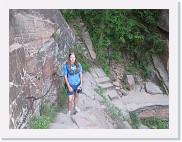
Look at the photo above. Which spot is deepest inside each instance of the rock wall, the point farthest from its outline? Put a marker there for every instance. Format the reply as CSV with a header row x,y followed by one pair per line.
x,y
38,46
160,70
164,31
164,20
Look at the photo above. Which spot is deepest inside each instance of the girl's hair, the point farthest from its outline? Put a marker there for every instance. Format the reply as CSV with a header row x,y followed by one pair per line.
x,y
69,62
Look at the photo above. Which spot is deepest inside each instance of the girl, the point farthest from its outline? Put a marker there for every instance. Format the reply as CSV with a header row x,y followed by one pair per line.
x,y
72,72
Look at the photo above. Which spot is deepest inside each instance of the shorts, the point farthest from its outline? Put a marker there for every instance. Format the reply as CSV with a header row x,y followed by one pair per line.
x,y
74,89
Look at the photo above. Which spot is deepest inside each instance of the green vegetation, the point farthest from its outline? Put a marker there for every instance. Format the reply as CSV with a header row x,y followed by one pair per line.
x,y
77,28
101,92
63,98
114,112
40,122
155,123
47,114
124,35
70,14
152,123
55,35
48,111
135,122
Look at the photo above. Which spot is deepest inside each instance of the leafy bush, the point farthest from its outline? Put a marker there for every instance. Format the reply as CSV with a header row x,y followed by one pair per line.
x,y
155,123
145,73
49,109
135,122
47,114
127,31
40,122
113,111
70,14
63,98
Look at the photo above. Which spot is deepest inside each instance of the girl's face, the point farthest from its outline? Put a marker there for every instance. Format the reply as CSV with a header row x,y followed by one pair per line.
x,y
72,58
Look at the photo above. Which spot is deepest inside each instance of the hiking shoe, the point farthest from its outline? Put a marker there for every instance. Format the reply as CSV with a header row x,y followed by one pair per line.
x,y
69,113
77,109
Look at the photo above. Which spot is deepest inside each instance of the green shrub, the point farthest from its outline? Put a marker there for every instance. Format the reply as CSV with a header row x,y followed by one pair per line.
x,y
155,123
63,98
47,114
70,14
49,110
135,122
145,73
114,112
101,92
127,31
40,122
130,67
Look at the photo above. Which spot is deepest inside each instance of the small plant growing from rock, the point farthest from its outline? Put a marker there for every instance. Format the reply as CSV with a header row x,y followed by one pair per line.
x,y
135,122
114,112
62,99
55,35
155,123
47,114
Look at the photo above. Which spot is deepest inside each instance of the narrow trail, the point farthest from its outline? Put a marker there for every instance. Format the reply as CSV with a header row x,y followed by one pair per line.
x,y
93,114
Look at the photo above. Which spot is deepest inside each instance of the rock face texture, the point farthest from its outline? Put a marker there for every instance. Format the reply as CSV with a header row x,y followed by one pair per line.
x,y
156,111
164,25
39,41
164,20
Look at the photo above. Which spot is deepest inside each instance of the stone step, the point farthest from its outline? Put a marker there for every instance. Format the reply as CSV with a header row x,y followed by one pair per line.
x,y
93,73
63,121
119,104
106,85
100,73
112,94
91,119
122,107
102,80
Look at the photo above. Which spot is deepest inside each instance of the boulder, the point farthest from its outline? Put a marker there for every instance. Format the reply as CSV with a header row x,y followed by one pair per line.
x,y
130,82
152,88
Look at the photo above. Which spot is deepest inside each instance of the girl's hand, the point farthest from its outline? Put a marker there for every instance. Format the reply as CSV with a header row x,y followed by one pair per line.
x,y
80,85
70,89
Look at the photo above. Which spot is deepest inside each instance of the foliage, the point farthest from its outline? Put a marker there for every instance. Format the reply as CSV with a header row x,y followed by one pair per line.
x,y
155,123
145,73
55,35
49,109
135,122
114,112
47,114
126,31
40,122
151,122
101,92
70,14
62,99
129,66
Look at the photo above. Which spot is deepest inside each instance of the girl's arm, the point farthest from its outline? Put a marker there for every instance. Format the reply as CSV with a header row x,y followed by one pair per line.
x,y
81,79
67,83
